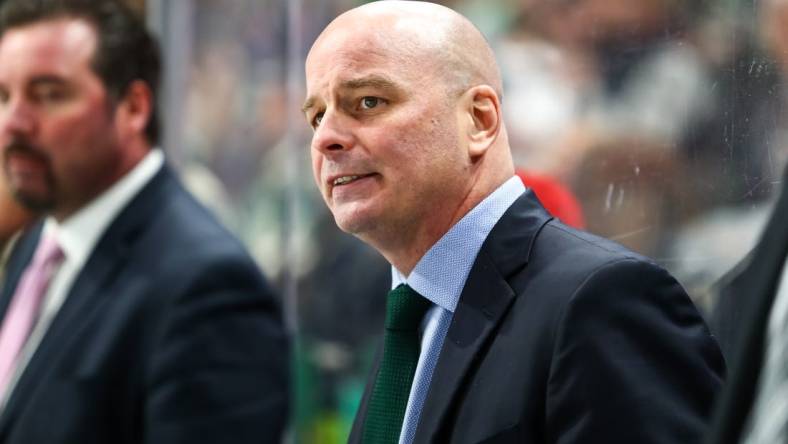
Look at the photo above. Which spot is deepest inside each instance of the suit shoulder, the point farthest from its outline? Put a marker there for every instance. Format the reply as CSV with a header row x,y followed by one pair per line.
x,y
600,280
183,240
185,223
566,243
571,265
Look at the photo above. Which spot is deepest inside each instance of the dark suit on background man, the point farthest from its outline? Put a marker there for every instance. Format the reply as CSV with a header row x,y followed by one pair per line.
x,y
169,324
741,318
129,315
558,336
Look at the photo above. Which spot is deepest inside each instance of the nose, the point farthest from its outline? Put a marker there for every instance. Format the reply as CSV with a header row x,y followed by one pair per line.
x,y
17,118
333,135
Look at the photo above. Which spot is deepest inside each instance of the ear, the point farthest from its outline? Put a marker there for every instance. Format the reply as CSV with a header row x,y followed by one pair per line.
x,y
135,108
484,118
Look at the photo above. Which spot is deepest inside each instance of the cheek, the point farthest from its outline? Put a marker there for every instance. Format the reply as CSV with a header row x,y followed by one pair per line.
x,y
69,145
81,145
317,162
439,140
70,126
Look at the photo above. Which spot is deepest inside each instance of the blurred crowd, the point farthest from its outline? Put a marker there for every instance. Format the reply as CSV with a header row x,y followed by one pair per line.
x,y
661,121
661,115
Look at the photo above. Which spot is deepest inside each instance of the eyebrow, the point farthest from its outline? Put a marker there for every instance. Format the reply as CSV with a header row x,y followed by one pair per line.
x,y
308,104
371,81
47,79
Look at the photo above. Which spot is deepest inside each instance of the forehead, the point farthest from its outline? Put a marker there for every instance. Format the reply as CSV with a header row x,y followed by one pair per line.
x,y
57,46
341,55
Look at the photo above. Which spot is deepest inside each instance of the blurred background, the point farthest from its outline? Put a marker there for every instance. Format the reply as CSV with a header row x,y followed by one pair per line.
x,y
660,124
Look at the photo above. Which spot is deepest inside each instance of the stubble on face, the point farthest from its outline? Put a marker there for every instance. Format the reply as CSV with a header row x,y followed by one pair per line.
x,y
60,147
411,147
28,172
420,146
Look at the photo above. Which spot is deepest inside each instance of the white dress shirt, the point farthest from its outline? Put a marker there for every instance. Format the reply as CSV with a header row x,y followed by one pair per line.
x,y
78,236
440,276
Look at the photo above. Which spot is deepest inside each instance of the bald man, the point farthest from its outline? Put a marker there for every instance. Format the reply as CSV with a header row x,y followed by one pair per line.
x,y
503,324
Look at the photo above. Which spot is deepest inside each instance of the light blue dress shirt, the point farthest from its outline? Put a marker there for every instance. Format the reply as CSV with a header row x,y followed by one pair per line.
x,y
440,276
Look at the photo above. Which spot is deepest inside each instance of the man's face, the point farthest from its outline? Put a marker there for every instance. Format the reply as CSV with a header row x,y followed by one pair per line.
x,y
57,130
386,150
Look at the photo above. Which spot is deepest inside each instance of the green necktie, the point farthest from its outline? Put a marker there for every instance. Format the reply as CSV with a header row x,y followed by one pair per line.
x,y
404,311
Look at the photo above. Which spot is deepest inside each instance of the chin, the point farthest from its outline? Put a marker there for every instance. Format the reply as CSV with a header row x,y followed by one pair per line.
x,y
33,202
350,225
355,222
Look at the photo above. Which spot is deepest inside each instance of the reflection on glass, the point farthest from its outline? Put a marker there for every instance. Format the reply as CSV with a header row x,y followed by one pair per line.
x,y
661,122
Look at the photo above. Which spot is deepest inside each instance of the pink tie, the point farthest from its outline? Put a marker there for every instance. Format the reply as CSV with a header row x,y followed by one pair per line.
x,y
23,311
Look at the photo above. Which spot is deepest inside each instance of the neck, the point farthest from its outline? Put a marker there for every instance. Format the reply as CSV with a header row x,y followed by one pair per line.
x,y
405,248
69,207
404,245
404,253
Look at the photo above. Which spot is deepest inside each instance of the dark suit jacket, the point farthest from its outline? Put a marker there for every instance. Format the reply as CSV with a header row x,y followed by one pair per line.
x,y
563,337
169,335
740,318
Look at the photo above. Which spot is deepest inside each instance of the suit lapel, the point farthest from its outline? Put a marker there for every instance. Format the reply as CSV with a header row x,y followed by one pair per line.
x,y
20,258
755,290
89,290
485,299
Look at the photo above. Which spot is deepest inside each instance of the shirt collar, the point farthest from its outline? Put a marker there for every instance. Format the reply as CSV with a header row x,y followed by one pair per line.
x,y
79,233
441,273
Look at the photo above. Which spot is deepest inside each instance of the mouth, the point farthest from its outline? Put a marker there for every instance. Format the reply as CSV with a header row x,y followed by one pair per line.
x,y
24,164
24,158
338,181
24,151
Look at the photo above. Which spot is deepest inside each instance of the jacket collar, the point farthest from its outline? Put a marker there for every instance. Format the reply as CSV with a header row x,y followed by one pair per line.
x,y
486,297
89,290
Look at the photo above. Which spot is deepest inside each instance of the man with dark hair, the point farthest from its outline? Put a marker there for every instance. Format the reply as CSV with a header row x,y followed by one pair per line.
x,y
503,325
129,314
125,50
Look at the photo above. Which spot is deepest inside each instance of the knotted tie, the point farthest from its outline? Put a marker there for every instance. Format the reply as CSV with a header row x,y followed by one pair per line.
x,y
25,306
404,311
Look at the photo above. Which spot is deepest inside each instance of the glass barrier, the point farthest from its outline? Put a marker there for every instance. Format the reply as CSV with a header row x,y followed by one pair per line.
x,y
657,123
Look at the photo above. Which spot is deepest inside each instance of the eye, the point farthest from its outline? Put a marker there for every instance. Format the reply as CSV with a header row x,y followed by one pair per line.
x,y
48,93
369,102
317,119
